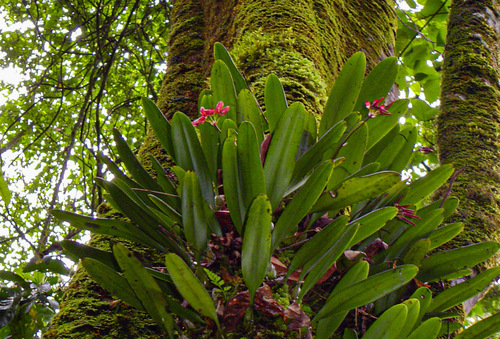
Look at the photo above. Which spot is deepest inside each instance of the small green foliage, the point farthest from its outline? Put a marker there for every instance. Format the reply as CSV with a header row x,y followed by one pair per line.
x,y
218,282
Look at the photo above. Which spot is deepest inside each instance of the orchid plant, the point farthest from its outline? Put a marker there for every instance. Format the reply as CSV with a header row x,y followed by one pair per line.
x,y
280,209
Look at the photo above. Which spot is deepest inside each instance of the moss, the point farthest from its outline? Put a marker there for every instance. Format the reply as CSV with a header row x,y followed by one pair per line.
x,y
469,118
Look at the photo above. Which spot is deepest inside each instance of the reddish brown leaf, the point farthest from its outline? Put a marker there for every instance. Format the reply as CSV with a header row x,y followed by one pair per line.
x,y
265,303
327,275
278,265
235,311
299,318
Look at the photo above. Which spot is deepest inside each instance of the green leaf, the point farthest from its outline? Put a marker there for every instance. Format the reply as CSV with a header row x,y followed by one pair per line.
x,y
327,326
444,234
443,263
463,291
368,290
83,251
389,324
221,53
249,110
318,244
381,125
356,190
221,83
378,82
11,276
112,281
344,93
281,156
422,111
482,329
171,196
190,287
413,307
372,222
315,270
417,252
190,155
424,186
161,126
275,100
4,189
232,185
429,329
251,173
424,296
353,150
133,165
145,287
256,247
302,202
210,145
197,217
315,154
397,153
111,227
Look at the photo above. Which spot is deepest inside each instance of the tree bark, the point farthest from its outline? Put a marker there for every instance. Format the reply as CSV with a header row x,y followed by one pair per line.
x,y
304,43
468,123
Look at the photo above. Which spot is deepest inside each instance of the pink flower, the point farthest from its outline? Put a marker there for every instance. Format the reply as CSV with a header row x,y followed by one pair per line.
x,y
375,108
209,114
219,109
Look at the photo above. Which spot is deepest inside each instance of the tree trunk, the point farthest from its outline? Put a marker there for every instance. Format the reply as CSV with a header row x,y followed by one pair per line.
x,y
468,124
304,43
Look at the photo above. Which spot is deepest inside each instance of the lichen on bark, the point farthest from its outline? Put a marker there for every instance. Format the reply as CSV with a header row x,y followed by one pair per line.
x,y
468,123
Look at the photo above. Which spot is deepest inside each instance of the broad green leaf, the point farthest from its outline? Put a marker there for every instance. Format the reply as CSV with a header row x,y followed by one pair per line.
x,y
251,173
368,290
353,150
275,100
117,172
190,155
424,296
221,83
281,156
482,329
256,247
444,234
412,234
463,291
309,133
356,190
83,251
443,263
112,281
424,186
168,210
4,189
378,82
190,287
389,324
11,276
372,222
197,216
327,326
301,203
413,307
232,185
221,53
381,125
249,110
111,227
133,165
429,329
315,270
344,93
314,155
349,333
397,153
417,252
161,126
148,223
171,197
422,111
179,174
318,244
145,288
373,153
209,136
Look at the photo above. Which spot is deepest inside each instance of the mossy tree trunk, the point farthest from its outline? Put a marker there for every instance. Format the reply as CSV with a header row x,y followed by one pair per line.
x,y
469,120
303,42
